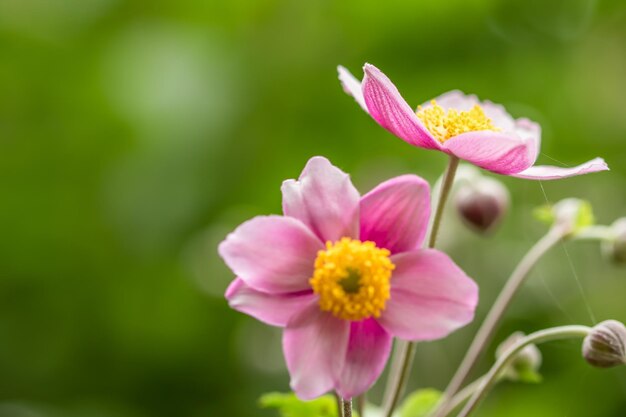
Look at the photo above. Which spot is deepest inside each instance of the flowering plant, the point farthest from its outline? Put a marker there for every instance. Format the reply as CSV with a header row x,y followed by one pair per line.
x,y
345,274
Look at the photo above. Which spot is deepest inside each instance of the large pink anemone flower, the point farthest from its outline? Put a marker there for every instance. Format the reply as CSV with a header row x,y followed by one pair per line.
x,y
482,133
343,274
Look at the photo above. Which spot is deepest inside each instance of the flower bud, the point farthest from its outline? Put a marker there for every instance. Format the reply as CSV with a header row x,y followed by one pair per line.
x,y
572,215
615,246
525,365
605,345
482,203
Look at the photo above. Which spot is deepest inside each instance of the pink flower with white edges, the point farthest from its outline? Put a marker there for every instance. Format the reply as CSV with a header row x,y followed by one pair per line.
x,y
343,274
482,133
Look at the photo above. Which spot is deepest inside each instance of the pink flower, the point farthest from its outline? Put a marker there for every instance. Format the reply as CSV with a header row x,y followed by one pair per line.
x,y
343,274
482,133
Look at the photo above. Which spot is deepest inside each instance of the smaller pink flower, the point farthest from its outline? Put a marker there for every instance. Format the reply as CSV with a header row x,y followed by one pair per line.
x,y
482,133
343,274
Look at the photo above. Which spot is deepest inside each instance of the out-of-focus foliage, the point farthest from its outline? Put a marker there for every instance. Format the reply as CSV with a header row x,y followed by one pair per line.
x,y
135,134
288,405
420,403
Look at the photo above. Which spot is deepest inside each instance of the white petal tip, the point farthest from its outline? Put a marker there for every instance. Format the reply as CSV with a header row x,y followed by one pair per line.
x,y
369,68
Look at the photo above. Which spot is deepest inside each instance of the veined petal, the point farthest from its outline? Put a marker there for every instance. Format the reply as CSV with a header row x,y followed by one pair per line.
x,y
272,309
315,345
457,100
430,296
324,199
498,115
369,346
531,132
546,172
274,254
391,111
395,214
351,86
494,151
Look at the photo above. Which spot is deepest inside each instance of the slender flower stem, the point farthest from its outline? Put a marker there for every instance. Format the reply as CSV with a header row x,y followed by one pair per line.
x,y
446,186
347,407
401,367
489,325
554,333
399,349
339,403
399,379
462,396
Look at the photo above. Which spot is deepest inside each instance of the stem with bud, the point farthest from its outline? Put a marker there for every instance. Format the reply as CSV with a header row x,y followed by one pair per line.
x,y
489,325
554,333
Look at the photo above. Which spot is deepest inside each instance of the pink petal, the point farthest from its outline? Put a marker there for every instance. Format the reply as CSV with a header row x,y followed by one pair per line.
x,y
273,254
498,115
272,309
324,199
494,151
368,350
545,172
531,133
315,344
391,111
430,296
351,86
395,214
457,100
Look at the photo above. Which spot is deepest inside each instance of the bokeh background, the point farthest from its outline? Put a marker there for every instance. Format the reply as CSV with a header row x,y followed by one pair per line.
x,y
134,135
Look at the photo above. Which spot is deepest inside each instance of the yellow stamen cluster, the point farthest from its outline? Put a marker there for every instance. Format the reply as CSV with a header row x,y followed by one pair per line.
x,y
352,279
445,126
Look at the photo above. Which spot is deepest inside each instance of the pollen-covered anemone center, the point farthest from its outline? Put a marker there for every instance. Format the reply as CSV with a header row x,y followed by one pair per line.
x,y
351,279
444,126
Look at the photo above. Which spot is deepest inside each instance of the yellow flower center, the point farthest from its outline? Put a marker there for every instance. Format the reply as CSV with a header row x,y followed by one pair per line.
x,y
444,126
352,279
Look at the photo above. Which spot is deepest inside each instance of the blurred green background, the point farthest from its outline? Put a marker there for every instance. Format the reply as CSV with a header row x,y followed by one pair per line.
x,y
135,134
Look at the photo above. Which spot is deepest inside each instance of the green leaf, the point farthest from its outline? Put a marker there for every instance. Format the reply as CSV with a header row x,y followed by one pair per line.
x,y
528,375
585,216
576,213
544,214
288,405
420,403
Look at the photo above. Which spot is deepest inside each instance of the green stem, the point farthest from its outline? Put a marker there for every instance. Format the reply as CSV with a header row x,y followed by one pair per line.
x,y
339,403
489,325
401,367
555,333
394,369
347,407
399,379
462,396
446,186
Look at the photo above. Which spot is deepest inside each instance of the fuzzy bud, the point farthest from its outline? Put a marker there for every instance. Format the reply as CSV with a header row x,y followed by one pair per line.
x,y
525,365
482,203
605,345
615,246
